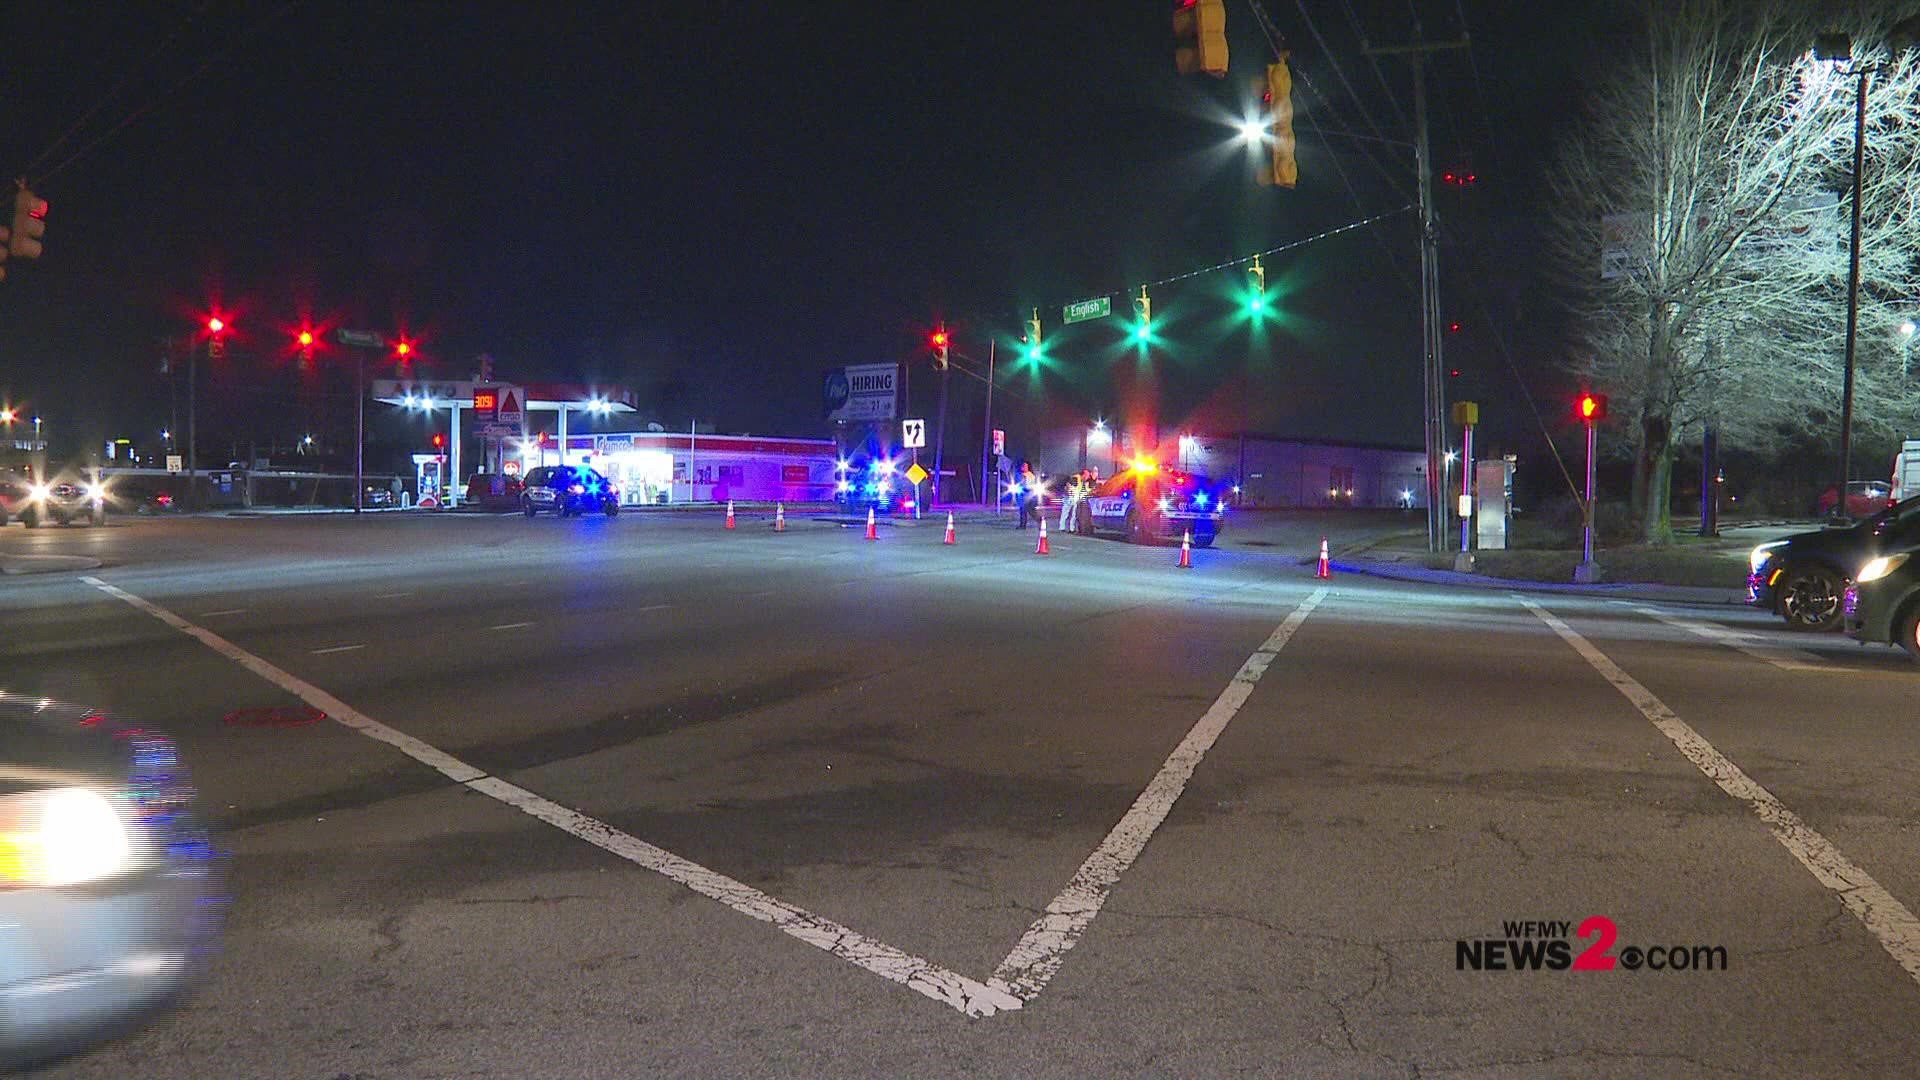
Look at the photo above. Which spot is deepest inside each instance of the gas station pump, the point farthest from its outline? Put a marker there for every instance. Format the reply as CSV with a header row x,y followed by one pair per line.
x,y
429,479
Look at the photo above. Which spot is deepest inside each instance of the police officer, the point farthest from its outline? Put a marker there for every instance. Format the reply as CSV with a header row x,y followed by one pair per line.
x,y
1028,493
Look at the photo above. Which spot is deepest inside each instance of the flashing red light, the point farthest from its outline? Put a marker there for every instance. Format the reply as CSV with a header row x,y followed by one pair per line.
x,y
439,440
215,324
306,339
1453,328
939,339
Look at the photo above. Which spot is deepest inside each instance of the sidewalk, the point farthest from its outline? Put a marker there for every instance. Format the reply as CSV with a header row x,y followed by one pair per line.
x,y
1403,556
1673,594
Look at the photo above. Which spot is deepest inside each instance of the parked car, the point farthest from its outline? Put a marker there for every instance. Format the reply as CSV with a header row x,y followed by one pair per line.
x,y
1865,498
1803,578
108,888
494,491
568,489
1883,603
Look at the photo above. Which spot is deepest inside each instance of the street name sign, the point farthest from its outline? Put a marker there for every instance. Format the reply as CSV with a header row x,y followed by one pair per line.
x,y
1082,310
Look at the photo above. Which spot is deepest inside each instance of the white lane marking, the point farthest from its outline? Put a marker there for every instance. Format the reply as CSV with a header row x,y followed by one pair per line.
x,y
223,611
1884,917
390,595
337,648
1783,658
510,626
654,607
1037,956
967,995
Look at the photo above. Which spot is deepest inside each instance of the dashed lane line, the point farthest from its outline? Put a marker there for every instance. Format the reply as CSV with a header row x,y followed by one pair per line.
x,y
223,611
967,995
1038,954
1886,918
337,649
510,626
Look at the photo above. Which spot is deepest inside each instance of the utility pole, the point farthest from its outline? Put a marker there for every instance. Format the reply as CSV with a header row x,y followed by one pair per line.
x,y
986,438
1435,409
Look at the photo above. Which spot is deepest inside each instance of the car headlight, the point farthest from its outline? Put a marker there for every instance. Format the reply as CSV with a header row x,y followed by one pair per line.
x,y
1761,554
39,492
96,492
1880,567
1164,505
61,836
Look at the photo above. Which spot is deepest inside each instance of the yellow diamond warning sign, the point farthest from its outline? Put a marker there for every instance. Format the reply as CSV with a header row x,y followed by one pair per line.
x,y
916,474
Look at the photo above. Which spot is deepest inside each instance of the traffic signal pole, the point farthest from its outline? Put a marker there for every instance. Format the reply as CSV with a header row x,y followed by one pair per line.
x,y
193,427
359,428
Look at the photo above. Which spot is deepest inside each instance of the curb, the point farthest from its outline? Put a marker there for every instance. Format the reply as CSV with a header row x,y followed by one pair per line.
x,y
46,564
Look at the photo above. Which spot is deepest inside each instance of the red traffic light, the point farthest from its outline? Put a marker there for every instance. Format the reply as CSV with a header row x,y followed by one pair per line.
x,y
215,324
1592,408
439,441
939,339
403,348
306,339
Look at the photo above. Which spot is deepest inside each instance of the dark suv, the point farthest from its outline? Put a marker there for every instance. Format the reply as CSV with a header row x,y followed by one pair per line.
x,y
1804,577
568,489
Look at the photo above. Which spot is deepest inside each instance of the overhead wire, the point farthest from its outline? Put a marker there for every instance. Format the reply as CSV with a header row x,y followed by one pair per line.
x,y
154,102
126,76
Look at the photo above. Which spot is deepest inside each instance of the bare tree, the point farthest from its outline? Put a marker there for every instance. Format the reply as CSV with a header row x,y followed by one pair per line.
x,y
1700,217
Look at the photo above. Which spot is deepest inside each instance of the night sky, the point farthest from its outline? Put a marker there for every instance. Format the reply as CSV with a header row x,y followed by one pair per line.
x,y
713,202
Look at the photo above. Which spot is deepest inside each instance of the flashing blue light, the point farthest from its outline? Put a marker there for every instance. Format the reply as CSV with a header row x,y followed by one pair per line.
x,y
886,468
1199,498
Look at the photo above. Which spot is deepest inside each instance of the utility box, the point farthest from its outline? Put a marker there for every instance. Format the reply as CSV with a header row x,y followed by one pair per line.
x,y
1493,483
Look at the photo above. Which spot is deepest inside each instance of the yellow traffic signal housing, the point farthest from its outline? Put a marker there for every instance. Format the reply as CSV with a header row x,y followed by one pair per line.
x,y
1200,29
29,224
1286,171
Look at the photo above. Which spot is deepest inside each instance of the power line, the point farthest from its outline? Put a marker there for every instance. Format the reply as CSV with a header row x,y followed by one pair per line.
x,y
156,101
125,77
1393,101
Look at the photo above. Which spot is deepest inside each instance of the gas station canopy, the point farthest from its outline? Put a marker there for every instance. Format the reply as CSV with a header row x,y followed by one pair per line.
x,y
541,397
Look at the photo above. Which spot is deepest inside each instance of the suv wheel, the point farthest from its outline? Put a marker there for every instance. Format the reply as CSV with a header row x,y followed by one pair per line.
x,y
1810,599
30,517
613,508
527,506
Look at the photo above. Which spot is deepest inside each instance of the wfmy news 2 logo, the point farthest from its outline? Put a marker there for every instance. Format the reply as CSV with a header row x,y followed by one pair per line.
x,y
1549,945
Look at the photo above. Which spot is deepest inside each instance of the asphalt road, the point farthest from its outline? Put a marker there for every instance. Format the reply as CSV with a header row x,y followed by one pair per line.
x,y
678,800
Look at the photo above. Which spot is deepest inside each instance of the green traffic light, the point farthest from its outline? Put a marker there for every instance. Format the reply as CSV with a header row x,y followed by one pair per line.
x,y
1143,333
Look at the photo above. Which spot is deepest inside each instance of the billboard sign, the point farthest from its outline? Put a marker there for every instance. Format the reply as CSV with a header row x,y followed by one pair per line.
x,y
863,392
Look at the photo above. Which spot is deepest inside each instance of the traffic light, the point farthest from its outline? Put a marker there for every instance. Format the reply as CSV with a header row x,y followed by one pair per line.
x,y
1143,317
403,350
216,337
1591,408
1033,336
305,340
942,347
1257,300
29,224
1279,98
1200,34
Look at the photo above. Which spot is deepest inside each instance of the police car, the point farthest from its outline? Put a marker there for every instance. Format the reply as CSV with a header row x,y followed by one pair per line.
x,y
1147,504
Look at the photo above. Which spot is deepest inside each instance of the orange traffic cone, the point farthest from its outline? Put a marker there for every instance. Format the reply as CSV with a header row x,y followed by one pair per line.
x,y
1186,550
729,513
779,517
1043,549
873,531
949,538
1325,569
